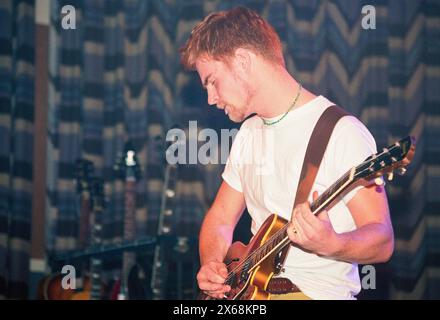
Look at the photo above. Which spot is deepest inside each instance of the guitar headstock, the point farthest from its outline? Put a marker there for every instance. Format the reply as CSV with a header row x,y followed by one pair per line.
x,y
396,157
128,166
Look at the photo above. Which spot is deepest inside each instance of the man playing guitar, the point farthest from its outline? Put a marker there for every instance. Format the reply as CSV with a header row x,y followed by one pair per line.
x,y
239,59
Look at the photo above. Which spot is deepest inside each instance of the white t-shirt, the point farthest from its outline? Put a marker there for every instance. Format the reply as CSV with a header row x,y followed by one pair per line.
x,y
265,163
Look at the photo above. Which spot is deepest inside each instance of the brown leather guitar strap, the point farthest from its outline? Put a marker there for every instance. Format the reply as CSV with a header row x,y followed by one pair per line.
x,y
313,157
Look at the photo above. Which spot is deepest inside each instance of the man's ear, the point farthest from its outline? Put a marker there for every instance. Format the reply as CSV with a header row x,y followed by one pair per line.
x,y
243,59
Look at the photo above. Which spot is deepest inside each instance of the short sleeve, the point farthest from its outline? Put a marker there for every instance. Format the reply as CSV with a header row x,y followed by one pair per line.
x,y
231,173
352,143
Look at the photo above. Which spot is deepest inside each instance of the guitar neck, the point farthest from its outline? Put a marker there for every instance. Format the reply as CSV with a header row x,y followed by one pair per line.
x,y
127,167
159,272
128,258
329,195
85,209
96,261
96,239
130,209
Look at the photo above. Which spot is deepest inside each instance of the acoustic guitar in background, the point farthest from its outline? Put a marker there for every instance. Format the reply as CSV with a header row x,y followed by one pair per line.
x,y
50,287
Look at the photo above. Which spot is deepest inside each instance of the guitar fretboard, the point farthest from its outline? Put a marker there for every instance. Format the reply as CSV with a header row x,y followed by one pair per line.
x,y
165,227
332,192
128,258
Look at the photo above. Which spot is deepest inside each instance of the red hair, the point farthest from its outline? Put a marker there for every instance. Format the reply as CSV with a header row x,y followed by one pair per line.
x,y
221,33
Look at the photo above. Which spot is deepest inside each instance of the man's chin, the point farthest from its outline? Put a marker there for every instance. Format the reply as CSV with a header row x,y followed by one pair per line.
x,y
235,119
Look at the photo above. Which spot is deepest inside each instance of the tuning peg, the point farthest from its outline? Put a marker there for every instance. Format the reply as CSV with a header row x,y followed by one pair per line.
x,y
390,176
170,193
182,245
401,171
378,181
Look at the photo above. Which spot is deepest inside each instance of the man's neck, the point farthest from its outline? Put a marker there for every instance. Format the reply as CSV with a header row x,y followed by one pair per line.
x,y
277,92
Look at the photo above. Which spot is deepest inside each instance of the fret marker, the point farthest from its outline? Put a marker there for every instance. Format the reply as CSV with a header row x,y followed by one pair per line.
x,y
378,181
352,172
390,176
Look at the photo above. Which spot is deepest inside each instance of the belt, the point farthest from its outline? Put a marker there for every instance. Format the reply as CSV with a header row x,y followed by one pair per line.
x,y
280,285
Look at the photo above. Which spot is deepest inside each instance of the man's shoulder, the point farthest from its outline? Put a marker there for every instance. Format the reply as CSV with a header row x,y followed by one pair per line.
x,y
347,123
349,127
351,123
350,132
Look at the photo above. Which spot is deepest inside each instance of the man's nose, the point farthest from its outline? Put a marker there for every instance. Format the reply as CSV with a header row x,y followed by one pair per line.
x,y
212,96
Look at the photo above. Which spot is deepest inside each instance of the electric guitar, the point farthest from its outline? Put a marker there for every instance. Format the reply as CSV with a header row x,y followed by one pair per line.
x,y
97,287
250,267
51,286
93,288
166,220
84,176
128,168
84,172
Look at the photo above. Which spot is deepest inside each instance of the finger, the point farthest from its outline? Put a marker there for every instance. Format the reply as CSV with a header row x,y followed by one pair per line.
x,y
293,214
292,233
218,295
307,227
213,294
309,219
213,276
323,216
217,278
207,275
222,290
296,212
315,195
213,287
300,212
297,231
222,270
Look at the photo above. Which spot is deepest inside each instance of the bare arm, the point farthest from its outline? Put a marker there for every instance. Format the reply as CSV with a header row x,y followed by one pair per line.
x,y
216,237
371,242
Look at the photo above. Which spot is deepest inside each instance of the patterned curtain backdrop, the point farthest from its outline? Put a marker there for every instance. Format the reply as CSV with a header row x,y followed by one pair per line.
x,y
112,80
16,131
